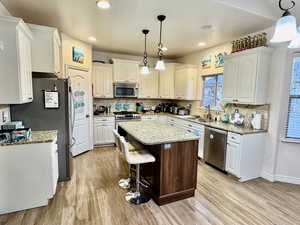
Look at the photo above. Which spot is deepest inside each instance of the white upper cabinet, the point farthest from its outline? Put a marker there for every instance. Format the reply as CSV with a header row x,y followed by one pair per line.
x,y
186,77
148,85
246,76
167,82
45,49
125,71
102,80
15,61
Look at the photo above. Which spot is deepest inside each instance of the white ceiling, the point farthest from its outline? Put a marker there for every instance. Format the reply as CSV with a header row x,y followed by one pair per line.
x,y
119,28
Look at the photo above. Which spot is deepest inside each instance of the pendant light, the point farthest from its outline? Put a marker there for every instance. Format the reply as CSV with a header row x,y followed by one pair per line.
x,y
103,4
286,28
145,68
160,65
295,43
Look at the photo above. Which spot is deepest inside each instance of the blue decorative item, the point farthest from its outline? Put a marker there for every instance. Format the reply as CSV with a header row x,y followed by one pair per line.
x,y
220,59
118,106
78,55
206,62
126,107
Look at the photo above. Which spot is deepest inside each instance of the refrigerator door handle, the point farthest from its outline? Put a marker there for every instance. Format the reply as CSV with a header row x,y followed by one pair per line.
x,y
72,100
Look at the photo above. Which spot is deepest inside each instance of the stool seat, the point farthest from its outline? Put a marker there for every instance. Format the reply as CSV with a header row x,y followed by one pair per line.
x,y
132,147
140,157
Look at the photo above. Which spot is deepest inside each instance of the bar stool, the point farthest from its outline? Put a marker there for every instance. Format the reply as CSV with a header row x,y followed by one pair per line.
x,y
136,158
124,183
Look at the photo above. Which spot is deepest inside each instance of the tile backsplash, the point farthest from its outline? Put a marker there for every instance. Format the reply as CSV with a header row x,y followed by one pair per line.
x,y
132,103
245,110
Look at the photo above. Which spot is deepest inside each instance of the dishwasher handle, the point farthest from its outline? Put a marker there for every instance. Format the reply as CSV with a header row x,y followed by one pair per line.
x,y
217,130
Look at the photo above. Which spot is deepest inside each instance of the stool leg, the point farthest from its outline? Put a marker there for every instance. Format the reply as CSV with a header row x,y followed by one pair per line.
x,y
125,183
139,198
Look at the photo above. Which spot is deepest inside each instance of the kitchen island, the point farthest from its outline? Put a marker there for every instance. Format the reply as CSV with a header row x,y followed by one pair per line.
x,y
173,176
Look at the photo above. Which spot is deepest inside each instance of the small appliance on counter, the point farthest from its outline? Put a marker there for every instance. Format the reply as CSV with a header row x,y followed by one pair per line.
x,y
139,107
15,135
256,121
101,109
12,125
237,119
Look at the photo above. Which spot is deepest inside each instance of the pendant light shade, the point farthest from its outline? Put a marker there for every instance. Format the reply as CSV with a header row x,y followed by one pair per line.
x,y
103,4
286,27
295,43
145,69
160,65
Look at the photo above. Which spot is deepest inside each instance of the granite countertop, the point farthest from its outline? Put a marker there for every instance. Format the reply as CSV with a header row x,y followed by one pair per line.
x,y
156,132
232,128
36,138
218,125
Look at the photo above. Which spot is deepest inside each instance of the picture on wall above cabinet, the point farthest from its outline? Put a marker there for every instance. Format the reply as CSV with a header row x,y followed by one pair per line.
x,y
78,55
220,59
206,62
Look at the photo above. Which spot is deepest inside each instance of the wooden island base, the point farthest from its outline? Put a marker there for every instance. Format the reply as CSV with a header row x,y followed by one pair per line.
x,y
173,176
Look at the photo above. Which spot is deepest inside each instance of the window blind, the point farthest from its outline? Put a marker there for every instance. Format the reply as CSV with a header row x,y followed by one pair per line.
x,y
293,121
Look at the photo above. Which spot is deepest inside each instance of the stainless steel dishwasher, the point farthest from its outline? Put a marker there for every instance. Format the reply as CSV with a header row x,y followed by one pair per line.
x,y
215,144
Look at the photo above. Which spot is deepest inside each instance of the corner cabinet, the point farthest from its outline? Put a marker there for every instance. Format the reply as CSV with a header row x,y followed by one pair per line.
x,y
15,61
148,85
102,80
125,71
245,154
167,82
246,76
186,77
46,48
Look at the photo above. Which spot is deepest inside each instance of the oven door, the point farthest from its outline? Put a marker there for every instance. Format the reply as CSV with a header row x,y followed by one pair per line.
x,y
125,91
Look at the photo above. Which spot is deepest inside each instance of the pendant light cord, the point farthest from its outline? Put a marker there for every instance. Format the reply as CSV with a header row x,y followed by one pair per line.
x,y
145,52
160,52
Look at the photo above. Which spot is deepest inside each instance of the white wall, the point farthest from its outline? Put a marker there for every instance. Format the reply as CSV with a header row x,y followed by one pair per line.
x,y
282,160
106,56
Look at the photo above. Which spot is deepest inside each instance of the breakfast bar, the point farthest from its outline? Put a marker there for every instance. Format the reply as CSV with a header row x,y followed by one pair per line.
x,y
173,175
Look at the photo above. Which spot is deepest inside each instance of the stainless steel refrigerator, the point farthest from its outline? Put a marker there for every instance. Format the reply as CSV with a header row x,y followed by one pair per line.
x,y
37,117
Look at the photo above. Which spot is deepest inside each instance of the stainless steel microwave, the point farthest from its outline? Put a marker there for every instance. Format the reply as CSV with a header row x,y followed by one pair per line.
x,y
125,90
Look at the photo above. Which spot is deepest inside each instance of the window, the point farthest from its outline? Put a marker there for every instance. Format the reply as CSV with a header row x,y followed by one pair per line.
x,y
212,91
293,122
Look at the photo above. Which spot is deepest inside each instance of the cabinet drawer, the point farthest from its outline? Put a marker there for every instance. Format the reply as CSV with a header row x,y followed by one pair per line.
x,y
104,119
235,138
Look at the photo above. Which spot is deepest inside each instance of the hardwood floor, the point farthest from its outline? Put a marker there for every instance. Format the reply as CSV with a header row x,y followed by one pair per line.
x,y
93,197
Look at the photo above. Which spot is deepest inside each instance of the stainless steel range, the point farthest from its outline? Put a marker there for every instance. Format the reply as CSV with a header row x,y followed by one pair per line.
x,y
125,116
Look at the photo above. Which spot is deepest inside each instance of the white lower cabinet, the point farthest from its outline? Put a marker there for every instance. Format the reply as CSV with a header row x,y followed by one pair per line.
x,y
103,130
233,159
244,155
28,175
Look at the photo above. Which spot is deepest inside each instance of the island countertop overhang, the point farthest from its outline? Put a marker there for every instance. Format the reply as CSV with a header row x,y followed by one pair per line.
x,y
156,132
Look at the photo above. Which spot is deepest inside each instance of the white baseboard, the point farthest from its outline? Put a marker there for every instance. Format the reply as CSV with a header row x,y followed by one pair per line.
x,y
268,176
280,178
287,179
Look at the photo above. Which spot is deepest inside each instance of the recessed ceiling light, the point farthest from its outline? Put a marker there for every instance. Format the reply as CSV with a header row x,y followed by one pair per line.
x,y
206,27
92,38
201,44
103,4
